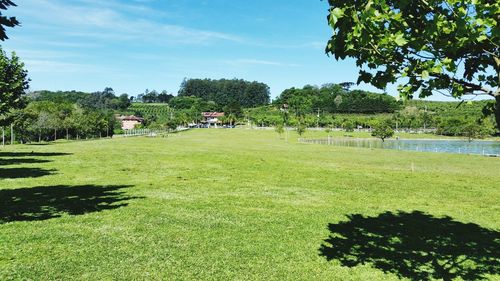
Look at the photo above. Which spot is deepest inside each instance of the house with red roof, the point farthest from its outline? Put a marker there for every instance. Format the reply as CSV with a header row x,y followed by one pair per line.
x,y
130,122
212,118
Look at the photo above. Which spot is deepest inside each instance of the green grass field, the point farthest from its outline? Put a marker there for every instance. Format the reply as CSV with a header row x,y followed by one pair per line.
x,y
244,205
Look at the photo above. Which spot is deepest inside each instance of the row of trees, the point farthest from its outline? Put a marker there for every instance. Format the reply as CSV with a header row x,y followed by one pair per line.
x,y
411,118
154,97
49,121
227,92
333,98
102,100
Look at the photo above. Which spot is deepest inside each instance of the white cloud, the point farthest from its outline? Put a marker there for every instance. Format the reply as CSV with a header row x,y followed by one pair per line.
x,y
55,66
258,62
306,45
103,21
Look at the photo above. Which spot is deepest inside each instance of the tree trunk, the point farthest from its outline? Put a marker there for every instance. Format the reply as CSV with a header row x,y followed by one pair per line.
x,y
3,136
497,111
55,134
67,134
12,134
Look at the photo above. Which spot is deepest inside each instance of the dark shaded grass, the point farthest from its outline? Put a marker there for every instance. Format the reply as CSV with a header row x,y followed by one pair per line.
x,y
415,245
47,202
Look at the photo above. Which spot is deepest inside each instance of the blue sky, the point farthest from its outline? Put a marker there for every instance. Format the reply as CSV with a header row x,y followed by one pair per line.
x,y
137,44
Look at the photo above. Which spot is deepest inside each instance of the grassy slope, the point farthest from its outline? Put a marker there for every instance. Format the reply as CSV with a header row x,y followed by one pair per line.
x,y
230,204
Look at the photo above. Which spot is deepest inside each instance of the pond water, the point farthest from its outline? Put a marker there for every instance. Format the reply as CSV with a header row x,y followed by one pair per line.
x,y
448,146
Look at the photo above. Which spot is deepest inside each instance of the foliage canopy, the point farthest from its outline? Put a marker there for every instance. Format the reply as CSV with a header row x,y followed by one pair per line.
x,y
6,21
334,98
382,130
13,82
226,92
447,46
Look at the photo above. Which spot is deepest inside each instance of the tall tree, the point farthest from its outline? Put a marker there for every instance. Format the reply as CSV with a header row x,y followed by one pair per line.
x,y
6,21
13,82
446,46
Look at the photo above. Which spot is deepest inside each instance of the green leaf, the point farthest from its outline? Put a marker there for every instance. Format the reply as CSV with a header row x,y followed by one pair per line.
x,y
447,61
482,38
400,40
364,76
425,74
336,14
437,69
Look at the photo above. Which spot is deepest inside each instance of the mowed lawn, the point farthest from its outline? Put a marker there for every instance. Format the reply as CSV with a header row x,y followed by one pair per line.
x,y
244,205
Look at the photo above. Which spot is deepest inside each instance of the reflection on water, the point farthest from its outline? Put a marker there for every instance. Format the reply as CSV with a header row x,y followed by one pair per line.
x,y
449,146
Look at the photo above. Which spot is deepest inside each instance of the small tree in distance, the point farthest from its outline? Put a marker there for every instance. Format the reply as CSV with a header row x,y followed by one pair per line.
x,y
382,131
301,126
475,130
172,125
279,128
348,126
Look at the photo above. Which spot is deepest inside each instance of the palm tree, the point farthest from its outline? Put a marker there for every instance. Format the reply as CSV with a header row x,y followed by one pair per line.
x,y
183,119
231,118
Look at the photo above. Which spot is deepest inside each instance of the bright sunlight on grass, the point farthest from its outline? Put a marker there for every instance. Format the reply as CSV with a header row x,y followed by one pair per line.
x,y
244,204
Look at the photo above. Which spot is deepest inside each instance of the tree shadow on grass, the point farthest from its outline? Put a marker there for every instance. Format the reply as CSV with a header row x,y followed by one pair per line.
x,y
415,245
18,173
32,154
21,160
46,202
16,158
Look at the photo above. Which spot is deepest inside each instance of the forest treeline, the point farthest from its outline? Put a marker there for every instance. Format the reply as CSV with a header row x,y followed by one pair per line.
x,y
76,115
333,98
226,92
